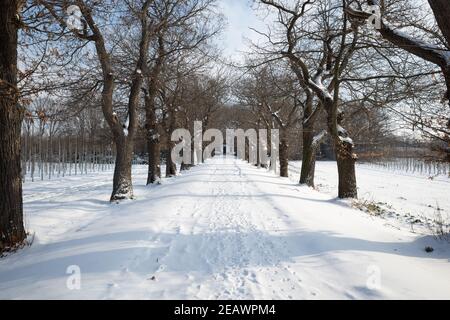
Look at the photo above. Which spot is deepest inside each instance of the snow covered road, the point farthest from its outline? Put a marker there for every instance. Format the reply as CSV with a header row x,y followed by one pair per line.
x,y
224,230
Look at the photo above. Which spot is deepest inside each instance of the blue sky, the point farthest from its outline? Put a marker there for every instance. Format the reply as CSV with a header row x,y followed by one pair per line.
x,y
240,18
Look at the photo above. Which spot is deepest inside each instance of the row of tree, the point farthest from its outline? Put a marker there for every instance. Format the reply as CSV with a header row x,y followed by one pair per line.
x,y
323,60
89,74
324,67
87,78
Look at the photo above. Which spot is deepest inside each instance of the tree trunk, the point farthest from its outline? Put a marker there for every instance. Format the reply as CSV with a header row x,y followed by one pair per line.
x,y
284,153
345,156
258,139
12,231
41,159
50,155
247,150
441,12
33,158
184,166
154,160
153,136
446,72
346,169
122,183
308,158
24,158
171,167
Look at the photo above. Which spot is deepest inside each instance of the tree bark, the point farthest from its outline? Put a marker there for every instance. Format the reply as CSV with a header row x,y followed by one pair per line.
x,y
446,72
153,129
441,10
153,139
12,231
184,166
308,158
342,144
122,182
311,142
154,160
345,156
284,153
258,139
171,167
346,169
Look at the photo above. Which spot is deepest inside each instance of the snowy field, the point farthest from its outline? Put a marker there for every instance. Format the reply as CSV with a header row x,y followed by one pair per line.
x,y
226,230
401,194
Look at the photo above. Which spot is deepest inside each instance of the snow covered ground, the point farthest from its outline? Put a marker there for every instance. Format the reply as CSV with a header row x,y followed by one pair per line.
x,y
401,194
224,230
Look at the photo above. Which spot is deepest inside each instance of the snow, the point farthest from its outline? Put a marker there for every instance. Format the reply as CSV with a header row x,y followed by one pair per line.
x,y
319,137
317,83
408,194
155,136
346,140
343,135
442,52
223,230
341,131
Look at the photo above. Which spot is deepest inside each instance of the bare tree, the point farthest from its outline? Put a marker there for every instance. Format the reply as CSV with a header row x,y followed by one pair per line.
x,y
181,47
272,96
323,27
152,124
12,231
123,132
426,42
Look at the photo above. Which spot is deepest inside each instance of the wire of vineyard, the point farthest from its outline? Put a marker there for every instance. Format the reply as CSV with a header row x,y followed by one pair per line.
x,y
410,165
47,157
